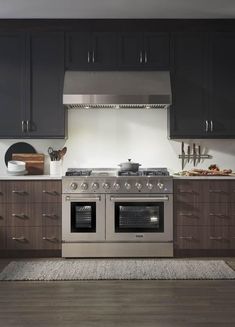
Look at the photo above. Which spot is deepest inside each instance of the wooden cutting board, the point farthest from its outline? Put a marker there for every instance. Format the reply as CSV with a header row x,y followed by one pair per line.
x,y
34,162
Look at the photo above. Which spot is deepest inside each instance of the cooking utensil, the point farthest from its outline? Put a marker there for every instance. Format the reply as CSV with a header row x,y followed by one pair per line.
x,y
199,154
63,151
194,154
129,166
183,154
188,153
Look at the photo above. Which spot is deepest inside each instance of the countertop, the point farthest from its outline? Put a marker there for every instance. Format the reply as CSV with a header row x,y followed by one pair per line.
x,y
204,177
29,177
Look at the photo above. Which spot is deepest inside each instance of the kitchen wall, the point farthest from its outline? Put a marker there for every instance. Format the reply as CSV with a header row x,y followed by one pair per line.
x,y
106,137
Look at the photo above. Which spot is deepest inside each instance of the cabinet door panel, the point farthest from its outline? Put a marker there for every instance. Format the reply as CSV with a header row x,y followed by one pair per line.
x,y
189,81
24,191
131,50
222,84
3,191
218,214
217,192
157,50
12,84
188,214
47,117
232,237
24,238
104,50
78,46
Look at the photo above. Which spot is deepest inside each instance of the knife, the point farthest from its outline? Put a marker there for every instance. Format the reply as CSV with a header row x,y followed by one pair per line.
x,y
188,153
199,154
194,154
183,154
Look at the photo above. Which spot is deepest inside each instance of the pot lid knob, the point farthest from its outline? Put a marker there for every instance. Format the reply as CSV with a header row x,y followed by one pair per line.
x,y
129,160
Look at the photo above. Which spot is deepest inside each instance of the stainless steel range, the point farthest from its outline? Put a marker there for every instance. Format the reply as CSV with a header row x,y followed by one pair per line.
x,y
109,213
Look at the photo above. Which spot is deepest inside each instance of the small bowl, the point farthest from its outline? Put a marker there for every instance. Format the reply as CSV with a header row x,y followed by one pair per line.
x,y
16,166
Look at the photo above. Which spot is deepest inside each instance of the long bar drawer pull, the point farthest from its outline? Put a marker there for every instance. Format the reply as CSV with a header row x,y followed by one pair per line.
x,y
217,214
19,215
21,238
139,199
215,191
51,239
186,214
186,237
51,215
218,238
19,192
50,192
182,191
91,199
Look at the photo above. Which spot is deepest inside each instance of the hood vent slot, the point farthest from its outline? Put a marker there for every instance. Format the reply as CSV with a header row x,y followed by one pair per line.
x,y
115,106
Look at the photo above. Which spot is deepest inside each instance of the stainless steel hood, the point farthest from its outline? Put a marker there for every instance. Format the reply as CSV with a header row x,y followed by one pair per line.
x,y
117,89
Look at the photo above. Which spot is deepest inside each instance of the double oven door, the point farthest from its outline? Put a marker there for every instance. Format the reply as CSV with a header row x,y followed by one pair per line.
x,y
83,217
135,217
117,218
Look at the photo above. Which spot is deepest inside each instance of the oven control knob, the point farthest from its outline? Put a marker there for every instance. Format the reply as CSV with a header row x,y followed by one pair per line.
x,y
84,186
95,186
127,186
138,186
160,185
106,186
116,186
149,186
73,186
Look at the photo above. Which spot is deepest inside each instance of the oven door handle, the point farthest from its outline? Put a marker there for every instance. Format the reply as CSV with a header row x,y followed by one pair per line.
x,y
89,199
139,199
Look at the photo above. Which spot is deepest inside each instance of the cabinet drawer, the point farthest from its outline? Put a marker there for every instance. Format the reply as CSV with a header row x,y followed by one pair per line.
x,y
33,238
190,237
218,237
232,236
2,215
188,191
217,192
218,214
189,215
21,214
2,238
51,191
232,191
3,191
24,191
24,238
51,238
51,214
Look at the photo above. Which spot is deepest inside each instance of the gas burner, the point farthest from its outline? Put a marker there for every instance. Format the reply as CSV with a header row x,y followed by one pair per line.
x,y
78,172
156,172
130,173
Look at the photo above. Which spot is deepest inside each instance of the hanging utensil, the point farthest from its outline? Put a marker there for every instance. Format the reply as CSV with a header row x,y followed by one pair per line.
x,y
183,154
199,154
188,153
194,154
51,153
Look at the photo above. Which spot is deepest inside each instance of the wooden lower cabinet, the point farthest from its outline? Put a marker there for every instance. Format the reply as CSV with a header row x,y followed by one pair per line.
x,y
30,218
204,217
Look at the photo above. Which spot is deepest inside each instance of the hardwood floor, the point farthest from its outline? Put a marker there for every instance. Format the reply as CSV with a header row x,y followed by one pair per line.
x,y
117,303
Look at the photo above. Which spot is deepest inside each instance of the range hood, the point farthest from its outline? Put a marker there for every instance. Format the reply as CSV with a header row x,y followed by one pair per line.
x,y
117,89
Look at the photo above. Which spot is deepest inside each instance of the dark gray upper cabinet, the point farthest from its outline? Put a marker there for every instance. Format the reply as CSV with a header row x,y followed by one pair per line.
x,y
188,113
46,111
91,51
203,84
221,85
31,85
144,51
12,85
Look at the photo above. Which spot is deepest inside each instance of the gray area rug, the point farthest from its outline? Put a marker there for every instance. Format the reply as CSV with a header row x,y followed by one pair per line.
x,y
101,269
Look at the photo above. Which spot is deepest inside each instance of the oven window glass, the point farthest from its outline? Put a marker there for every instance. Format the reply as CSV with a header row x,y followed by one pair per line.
x,y
83,217
139,217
